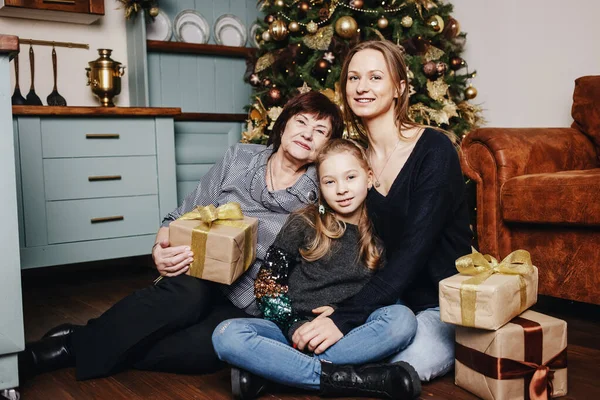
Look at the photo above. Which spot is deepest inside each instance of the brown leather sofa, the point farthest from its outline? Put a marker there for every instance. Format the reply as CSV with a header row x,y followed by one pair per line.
x,y
539,189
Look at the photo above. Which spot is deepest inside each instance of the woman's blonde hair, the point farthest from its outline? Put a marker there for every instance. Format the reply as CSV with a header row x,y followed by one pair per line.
x,y
327,227
394,60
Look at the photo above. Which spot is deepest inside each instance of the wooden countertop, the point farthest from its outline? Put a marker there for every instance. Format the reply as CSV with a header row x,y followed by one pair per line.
x,y
9,44
96,111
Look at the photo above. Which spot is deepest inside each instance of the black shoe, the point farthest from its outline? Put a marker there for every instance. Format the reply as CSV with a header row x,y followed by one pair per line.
x,y
45,355
61,330
245,385
388,381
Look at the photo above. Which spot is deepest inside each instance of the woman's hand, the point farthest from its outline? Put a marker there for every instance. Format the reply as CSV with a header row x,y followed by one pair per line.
x,y
317,335
171,261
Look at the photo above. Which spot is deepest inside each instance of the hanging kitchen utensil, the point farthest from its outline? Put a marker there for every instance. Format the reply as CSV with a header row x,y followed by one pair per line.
x,y
32,98
17,98
55,99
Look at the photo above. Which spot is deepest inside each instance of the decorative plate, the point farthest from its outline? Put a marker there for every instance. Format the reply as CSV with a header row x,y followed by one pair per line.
x,y
229,30
160,28
191,27
252,35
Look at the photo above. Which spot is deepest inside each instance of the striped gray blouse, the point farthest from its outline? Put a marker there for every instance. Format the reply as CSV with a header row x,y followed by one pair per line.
x,y
240,176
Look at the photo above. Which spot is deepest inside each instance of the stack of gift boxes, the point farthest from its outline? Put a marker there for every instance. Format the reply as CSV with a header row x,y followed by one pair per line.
x,y
503,350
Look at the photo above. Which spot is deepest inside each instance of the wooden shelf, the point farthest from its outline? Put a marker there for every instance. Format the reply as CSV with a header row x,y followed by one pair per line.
x,y
71,111
211,117
158,46
9,44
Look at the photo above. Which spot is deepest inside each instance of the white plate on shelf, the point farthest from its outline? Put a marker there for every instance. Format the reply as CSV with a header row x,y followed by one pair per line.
x,y
229,30
252,35
160,28
191,27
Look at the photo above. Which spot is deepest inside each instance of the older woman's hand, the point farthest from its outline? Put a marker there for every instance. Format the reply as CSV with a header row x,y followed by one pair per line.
x,y
171,261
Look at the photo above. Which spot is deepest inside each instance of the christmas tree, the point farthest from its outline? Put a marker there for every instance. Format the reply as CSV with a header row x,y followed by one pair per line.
x,y
302,45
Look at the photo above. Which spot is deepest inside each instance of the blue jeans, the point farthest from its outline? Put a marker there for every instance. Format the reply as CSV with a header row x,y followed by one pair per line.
x,y
259,346
431,351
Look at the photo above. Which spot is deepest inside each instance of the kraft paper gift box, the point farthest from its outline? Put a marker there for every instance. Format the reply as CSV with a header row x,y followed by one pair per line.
x,y
224,247
487,294
525,359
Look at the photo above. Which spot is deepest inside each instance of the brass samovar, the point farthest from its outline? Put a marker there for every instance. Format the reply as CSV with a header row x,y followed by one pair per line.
x,y
104,76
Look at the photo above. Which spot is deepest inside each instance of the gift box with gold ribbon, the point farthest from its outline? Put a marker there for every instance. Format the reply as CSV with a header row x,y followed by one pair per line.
x,y
486,293
222,238
525,359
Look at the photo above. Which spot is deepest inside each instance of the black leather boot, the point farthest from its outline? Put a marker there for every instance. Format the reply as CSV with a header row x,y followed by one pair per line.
x,y
387,381
45,355
61,330
245,385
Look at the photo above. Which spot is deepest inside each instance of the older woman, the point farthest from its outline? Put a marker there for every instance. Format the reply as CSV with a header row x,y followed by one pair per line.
x,y
168,326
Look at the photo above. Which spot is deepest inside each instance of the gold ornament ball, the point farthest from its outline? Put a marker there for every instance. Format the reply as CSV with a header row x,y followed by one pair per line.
x,y
346,27
266,82
406,21
303,6
382,23
279,3
153,11
312,27
470,92
436,23
357,3
266,36
278,30
294,26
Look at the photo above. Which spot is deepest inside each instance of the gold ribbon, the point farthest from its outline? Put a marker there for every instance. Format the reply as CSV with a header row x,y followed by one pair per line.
x,y
228,214
481,267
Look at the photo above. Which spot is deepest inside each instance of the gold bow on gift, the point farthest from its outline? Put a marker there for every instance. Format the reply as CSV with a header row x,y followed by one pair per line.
x,y
482,267
210,214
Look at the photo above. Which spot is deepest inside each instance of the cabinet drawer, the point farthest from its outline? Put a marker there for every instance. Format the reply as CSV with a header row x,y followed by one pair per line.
x,y
79,220
84,178
97,137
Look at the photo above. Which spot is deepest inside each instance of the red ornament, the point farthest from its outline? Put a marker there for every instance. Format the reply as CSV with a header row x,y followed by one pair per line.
x,y
269,19
430,69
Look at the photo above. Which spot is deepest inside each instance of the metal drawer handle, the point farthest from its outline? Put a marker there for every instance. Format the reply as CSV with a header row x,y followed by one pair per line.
x,y
104,178
60,1
102,135
107,219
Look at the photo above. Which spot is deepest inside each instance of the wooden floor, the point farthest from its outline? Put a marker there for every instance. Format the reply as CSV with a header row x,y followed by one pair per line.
x,y
55,295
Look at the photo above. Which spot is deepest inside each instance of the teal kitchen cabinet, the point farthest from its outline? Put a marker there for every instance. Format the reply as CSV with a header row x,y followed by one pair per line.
x,y
94,182
11,308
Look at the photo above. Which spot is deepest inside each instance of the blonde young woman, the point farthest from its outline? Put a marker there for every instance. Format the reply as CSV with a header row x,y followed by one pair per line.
x,y
417,206
323,255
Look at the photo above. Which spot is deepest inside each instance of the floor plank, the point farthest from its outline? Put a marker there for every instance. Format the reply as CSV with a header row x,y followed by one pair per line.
x,y
77,293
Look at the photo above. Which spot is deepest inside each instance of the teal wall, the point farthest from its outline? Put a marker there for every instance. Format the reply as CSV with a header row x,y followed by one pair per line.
x,y
201,83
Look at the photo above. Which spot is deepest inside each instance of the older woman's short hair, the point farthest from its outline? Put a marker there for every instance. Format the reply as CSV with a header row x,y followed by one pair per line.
x,y
314,103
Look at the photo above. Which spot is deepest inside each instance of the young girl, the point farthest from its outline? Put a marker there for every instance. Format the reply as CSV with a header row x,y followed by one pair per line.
x,y
323,255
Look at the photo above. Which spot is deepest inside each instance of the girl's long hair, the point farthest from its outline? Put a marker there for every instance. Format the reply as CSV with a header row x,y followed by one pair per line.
x,y
394,60
327,227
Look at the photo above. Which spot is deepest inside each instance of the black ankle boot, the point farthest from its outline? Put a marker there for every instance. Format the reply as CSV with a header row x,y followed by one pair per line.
x,y
388,381
45,355
61,330
245,385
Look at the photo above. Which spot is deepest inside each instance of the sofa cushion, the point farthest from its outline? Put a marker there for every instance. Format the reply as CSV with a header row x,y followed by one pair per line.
x,y
567,197
586,108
